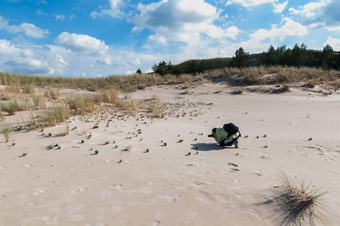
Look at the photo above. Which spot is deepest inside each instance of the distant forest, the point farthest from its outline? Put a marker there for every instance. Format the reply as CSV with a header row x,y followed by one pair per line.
x,y
298,56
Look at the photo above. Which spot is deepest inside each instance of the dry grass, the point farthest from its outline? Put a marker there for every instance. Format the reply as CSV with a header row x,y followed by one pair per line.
x,y
10,107
2,117
28,89
156,110
13,88
127,83
39,102
81,104
107,96
279,74
6,131
52,93
297,204
57,114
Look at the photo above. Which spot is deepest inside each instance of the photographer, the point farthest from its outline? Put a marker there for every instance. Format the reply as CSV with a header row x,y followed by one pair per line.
x,y
226,136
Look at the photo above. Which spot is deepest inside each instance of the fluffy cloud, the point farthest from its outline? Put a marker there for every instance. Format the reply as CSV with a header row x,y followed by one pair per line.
x,y
335,43
22,60
59,60
249,3
278,8
81,43
30,30
114,10
262,38
323,13
288,28
181,20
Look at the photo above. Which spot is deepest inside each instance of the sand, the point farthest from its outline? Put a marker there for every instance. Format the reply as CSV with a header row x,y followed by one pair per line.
x,y
136,180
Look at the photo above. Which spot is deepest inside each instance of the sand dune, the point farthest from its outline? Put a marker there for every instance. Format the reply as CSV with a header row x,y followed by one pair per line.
x,y
135,179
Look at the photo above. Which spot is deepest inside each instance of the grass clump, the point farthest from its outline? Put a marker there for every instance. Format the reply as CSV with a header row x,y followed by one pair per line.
x,y
10,107
6,130
57,114
28,89
2,117
81,104
297,204
157,111
52,93
39,102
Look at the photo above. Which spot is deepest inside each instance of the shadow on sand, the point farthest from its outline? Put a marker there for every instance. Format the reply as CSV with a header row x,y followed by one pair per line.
x,y
208,147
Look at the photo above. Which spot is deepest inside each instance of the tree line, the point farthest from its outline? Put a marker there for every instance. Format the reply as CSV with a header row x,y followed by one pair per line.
x,y
298,56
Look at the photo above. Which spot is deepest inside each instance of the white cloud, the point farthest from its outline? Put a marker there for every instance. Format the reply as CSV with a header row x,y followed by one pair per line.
x,y
20,60
181,21
289,28
29,30
250,3
334,42
160,39
262,38
114,10
105,60
310,9
278,8
322,13
336,28
58,60
81,43
60,17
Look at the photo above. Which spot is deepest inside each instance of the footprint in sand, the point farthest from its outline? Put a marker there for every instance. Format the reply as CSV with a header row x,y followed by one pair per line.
x,y
232,164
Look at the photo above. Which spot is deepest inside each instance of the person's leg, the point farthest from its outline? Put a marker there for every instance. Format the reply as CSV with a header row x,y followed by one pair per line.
x,y
236,142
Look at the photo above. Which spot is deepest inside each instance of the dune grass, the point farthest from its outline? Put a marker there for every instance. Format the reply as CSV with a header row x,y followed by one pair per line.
x,y
10,107
28,89
6,131
2,117
81,104
39,102
57,114
297,204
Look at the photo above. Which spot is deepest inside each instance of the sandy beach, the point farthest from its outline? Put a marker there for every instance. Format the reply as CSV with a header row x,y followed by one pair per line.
x,y
115,168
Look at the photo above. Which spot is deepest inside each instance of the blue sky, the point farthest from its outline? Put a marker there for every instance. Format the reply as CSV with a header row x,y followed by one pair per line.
x,y
90,38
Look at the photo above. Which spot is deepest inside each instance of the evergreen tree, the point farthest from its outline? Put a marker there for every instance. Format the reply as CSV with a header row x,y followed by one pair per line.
x,y
327,58
240,59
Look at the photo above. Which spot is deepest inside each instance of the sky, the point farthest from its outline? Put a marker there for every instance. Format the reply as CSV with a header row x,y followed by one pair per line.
x,y
95,38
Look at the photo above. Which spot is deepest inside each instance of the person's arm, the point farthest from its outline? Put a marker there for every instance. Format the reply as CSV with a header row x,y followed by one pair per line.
x,y
230,138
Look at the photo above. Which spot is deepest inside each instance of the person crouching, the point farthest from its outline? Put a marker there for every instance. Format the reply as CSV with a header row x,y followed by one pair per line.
x,y
226,136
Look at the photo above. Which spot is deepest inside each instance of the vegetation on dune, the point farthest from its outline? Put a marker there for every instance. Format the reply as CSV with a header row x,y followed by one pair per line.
x,y
127,83
298,56
296,204
6,131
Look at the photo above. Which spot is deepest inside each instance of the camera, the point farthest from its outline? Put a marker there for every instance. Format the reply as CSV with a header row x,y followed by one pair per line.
x,y
210,135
